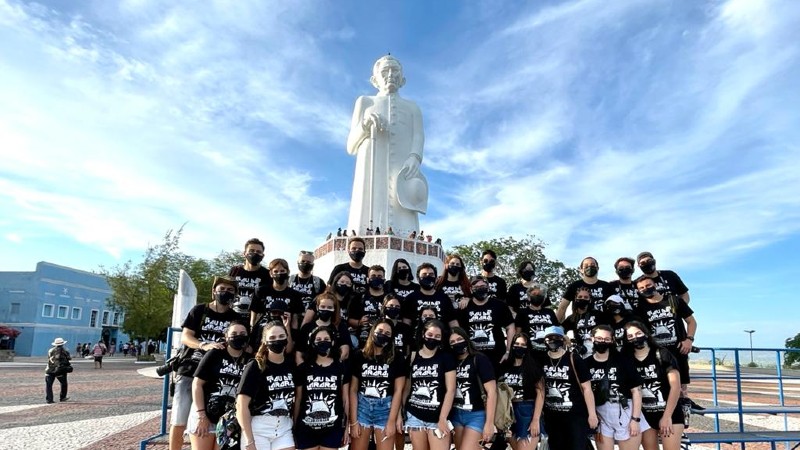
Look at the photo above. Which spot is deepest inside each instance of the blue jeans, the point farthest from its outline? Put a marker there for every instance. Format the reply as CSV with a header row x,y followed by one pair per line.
x,y
468,419
373,412
523,416
413,423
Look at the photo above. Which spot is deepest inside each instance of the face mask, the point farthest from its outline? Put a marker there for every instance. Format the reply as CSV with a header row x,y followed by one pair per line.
x,y
277,346
649,267
278,317
342,289
393,313
453,270
537,300
427,319
224,298
649,292
381,340
615,309
403,273
323,347
305,267
238,342
581,304
254,258
489,266
601,347
518,352
527,275
554,345
459,348
639,342
376,283
280,278
625,272
324,314
427,282
480,294
357,255
590,271
432,344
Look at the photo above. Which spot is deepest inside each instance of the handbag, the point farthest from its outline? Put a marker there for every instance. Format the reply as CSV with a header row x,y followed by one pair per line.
x,y
229,432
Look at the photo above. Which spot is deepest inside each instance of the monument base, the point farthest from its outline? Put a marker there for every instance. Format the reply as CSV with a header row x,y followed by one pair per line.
x,y
383,250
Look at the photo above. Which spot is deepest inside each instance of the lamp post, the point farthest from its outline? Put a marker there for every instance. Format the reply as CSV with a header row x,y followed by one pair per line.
x,y
750,332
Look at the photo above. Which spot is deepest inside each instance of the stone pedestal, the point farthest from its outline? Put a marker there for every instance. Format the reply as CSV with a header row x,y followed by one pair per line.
x,y
383,250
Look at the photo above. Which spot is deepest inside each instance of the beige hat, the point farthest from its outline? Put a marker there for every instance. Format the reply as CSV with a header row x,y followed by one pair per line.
x,y
58,342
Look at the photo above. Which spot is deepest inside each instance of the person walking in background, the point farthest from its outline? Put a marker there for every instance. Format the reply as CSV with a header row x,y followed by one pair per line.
x,y
98,351
58,367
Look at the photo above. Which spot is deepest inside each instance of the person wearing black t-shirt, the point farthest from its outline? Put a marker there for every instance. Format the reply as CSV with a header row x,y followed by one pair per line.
x,y
472,417
402,332
581,322
379,376
617,388
598,289
265,400
486,319
660,389
517,297
363,313
428,296
279,290
250,276
533,318
497,285
214,386
619,313
430,391
665,280
308,285
323,395
523,374
624,286
401,283
569,401
454,282
358,271
326,315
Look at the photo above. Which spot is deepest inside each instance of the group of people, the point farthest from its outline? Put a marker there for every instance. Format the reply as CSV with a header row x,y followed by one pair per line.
x,y
421,236
371,355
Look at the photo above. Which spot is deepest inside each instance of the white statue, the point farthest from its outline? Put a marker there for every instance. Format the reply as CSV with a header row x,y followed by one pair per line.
x,y
386,136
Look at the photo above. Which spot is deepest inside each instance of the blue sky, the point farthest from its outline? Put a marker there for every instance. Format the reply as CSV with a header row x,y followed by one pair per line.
x,y
604,128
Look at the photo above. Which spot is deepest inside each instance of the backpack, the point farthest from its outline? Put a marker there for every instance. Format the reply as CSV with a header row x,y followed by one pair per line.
x,y
503,413
318,284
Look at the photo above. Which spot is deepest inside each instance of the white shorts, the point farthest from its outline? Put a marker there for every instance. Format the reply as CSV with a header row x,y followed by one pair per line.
x,y
194,418
614,421
272,432
181,401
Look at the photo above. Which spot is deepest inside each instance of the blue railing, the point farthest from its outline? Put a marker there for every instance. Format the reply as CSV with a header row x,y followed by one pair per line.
x,y
164,394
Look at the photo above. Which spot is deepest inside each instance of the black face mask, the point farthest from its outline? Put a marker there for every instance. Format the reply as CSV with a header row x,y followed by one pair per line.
x,y
305,267
426,319
625,272
554,345
453,270
342,289
403,274
615,309
649,292
376,283
427,282
518,352
325,314
639,342
224,298
489,266
357,255
581,304
276,317
381,340
277,346
323,347
254,258
590,271
431,344
601,347
528,275
280,278
459,348
393,313
649,267
537,300
238,342
480,294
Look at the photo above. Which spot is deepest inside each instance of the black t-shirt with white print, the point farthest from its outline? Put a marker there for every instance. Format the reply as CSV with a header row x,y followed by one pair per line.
x,y
272,392
376,376
427,378
628,292
581,326
269,294
418,301
308,288
533,323
221,373
665,319
517,297
598,292
562,389
655,384
669,281
619,329
370,307
359,276
513,378
471,372
249,282
322,405
403,338
498,287
400,291
485,324
208,326
621,375
453,290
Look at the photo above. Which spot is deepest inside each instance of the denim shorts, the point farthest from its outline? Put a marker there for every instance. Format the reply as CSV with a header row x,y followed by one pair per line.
x,y
468,419
414,424
181,401
373,412
523,415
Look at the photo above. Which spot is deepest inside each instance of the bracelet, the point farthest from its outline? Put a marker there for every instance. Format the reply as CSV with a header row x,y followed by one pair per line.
x,y
201,410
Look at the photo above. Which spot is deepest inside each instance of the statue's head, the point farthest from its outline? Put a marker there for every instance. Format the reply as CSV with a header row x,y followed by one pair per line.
x,y
387,74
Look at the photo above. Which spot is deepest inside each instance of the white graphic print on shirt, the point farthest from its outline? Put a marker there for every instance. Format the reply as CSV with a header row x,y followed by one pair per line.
x,y
374,380
424,393
557,388
462,399
281,395
662,322
652,397
320,412
481,329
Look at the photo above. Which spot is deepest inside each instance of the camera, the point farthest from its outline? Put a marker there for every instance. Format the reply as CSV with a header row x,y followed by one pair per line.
x,y
170,365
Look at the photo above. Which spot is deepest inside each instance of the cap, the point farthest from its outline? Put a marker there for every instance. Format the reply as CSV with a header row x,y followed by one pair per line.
x,y
615,298
224,280
553,331
642,255
278,305
59,341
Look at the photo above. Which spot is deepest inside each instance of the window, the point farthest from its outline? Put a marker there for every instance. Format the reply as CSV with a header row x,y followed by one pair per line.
x,y
63,311
117,318
105,317
76,313
15,308
47,310
93,318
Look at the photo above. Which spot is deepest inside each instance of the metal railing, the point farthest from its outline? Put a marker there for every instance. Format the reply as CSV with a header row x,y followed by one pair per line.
x,y
164,393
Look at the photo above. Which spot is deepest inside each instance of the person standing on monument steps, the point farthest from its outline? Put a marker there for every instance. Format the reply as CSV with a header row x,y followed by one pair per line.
x,y
497,285
387,138
355,267
598,289
665,280
305,282
251,275
624,286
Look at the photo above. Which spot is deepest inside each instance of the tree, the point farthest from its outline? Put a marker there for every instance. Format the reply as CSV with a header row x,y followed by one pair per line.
x,y
792,358
510,253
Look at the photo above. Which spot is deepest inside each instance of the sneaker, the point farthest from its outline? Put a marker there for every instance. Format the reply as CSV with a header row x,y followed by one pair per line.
x,y
63,399
49,401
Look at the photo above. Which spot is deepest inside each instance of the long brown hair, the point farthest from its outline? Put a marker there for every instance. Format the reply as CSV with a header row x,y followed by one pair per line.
x,y
263,351
337,310
369,348
463,279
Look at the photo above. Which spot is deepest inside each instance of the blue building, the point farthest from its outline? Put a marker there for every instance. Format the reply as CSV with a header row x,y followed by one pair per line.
x,y
57,301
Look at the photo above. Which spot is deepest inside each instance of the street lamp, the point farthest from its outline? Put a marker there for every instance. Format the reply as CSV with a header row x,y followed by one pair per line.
x,y
750,332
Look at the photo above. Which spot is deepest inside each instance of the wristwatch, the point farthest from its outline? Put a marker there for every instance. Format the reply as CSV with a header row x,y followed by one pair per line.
x,y
691,338
636,419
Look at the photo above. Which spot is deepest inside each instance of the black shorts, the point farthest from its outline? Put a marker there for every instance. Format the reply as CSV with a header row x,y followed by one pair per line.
x,y
305,437
98,359
653,417
683,364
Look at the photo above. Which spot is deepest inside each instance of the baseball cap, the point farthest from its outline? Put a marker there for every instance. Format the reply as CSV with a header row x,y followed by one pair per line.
x,y
553,331
642,255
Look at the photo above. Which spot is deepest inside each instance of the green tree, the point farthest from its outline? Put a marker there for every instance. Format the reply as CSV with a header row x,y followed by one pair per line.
x,y
792,358
510,253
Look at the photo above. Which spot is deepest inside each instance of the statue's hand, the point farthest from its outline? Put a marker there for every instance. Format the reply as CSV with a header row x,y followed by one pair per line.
x,y
373,119
410,167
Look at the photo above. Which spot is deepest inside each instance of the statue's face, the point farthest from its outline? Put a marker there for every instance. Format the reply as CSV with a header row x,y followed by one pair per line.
x,y
388,76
